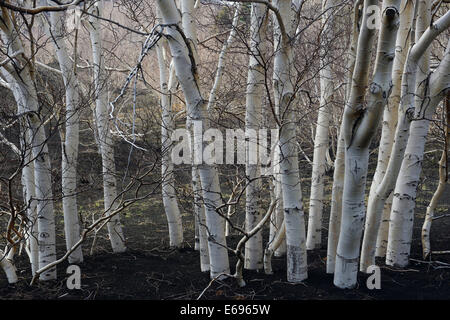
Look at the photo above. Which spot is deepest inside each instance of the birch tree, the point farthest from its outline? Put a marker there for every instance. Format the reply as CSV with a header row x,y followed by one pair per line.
x,y
188,8
170,200
19,72
443,180
382,173
185,68
402,212
339,163
69,134
8,268
289,170
254,97
314,235
29,195
102,121
360,124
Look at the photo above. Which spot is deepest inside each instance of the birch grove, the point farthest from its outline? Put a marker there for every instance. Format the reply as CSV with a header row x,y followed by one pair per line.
x,y
170,129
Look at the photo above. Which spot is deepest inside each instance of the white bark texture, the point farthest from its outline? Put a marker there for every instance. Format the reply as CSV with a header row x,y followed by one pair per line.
x,y
69,136
25,94
377,204
360,124
339,163
169,196
254,97
289,170
185,67
277,241
314,234
190,31
278,216
403,205
8,267
29,192
443,180
114,226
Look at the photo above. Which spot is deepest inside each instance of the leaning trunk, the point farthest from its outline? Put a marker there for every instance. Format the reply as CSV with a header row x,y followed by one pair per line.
x,y
185,67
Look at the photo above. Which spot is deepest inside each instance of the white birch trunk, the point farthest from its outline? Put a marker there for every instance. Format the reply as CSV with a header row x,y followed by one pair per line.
x,y
254,96
278,216
190,31
185,68
360,125
383,231
69,138
390,117
26,98
199,211
8,267
334,226
277,241
29,196
443,179
339,163
314,235
403,205
115,232
290,179
170,201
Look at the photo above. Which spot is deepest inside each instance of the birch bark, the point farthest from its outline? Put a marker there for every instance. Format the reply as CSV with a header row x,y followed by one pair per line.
x,y
390,117
185,67
28,105
69,136
339,163
289,170
170,201
254,96
314,235
360,125
188,8
114,226
403,205
443,179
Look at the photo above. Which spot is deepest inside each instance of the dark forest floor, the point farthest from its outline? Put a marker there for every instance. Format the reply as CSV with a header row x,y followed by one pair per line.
x,y
151,270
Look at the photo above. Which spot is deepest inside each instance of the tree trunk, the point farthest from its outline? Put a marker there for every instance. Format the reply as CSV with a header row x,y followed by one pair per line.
x,y
185,68
289,170
374,217
360,125
443,179
69,138
314,235
27,101
254,96
339,163
8,268
115,232
29,195
403,205
169,196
